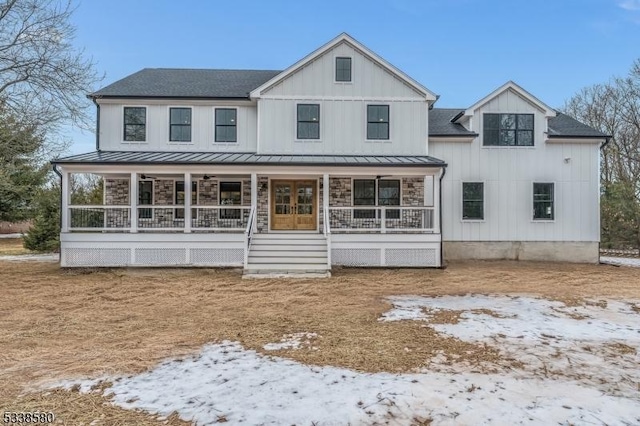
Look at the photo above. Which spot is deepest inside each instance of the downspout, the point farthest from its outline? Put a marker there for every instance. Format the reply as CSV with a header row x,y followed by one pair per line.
x,y
444,172
97,122
56,171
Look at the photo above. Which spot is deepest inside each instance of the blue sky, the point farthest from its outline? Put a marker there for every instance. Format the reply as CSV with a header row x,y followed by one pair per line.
x,y
460,49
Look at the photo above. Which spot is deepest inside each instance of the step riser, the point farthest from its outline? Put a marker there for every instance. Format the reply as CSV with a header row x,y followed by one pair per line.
x,y
253,268
288,253
287,260
288,237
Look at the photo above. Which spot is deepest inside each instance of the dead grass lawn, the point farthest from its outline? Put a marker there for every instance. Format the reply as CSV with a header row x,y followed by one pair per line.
x,y
71,323
12,246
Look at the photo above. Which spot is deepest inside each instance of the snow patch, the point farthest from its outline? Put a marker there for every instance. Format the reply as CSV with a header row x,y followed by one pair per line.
x,y
244,387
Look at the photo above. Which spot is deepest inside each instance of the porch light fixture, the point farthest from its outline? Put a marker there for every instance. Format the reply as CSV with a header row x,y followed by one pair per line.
x,y
206,177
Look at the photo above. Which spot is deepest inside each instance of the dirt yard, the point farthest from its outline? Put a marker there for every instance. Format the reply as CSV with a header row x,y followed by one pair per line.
x,y
60,324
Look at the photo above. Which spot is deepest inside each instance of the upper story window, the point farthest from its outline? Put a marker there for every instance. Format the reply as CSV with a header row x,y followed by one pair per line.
x,y
308,121
226,121
472,201
180,124
343,69
508,130
543,201
377,122
135,124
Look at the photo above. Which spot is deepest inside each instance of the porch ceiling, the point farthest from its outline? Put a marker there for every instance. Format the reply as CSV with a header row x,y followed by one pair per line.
x,y
217,158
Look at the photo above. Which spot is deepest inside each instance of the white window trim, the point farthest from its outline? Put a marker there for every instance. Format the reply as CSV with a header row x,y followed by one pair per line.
x,y
335,65
295,121
555,208
484,202
366,122
481,131
170,142
153,200
353,194
146,126
217,107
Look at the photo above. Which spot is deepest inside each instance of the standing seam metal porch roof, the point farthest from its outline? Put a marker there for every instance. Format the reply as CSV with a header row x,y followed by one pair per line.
x,y
246,158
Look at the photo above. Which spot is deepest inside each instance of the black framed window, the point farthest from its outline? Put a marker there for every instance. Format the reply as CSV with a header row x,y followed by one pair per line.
x,y
230,195
145,198
226,129
135,124
179,198
543,201
473,200
343,69
364,194
508,130
308,118
377,122
180,124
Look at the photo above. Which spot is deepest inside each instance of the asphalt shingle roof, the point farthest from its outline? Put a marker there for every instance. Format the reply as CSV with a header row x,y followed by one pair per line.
x,y
440,123
187,83
226,158
560,126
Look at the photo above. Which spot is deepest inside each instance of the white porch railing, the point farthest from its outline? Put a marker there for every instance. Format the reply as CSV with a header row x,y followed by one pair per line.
x,y
248,234
378,219
117,218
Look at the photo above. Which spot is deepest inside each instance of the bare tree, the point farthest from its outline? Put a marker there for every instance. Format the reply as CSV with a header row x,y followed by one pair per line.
x,y
614,108
43,77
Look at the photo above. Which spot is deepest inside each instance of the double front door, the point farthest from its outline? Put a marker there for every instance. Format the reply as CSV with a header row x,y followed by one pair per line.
x,y
293,205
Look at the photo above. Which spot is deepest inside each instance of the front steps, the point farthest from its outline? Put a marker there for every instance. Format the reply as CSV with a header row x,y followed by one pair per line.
x,y
288,254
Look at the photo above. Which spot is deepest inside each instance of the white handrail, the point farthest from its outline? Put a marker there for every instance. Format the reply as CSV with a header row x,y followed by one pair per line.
x,y
248,234
326,228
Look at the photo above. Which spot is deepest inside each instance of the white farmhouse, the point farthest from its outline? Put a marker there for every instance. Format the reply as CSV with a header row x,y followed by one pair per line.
x,y
341,159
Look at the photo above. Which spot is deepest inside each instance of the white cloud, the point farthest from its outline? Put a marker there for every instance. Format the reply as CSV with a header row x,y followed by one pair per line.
x,y
632,5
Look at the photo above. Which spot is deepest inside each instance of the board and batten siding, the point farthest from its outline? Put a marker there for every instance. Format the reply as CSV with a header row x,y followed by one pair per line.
x,y
202,128
508,174
343,109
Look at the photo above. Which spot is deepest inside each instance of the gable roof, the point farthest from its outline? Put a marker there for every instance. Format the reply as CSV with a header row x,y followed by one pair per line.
x,y
510,86
186,83
560,126
346,38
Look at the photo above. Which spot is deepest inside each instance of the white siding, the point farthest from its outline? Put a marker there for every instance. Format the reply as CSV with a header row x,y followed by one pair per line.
x,y
509,173
343,109
342,128
202,127
368,79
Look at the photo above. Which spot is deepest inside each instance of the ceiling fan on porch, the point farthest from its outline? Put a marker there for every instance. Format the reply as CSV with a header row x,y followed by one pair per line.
x,y
382,176
147,177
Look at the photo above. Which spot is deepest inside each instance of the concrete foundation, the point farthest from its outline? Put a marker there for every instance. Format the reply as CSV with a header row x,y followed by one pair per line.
x,y
553,251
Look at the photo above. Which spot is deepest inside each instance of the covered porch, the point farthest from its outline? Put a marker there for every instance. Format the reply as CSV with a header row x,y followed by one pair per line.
x,y
210,214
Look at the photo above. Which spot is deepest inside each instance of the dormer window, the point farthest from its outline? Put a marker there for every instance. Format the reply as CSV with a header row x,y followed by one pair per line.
x,y
508,130
343,69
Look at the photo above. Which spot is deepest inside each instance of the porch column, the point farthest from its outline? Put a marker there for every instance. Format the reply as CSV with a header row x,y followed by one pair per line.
x,y
254,190
436,203
325,194
64,227
133,202
187,202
